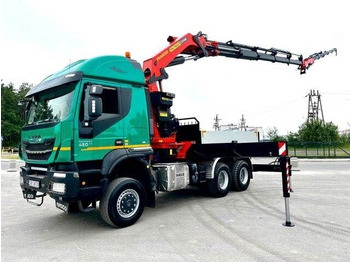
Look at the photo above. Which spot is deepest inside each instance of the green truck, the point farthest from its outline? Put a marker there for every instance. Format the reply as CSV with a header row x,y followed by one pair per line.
x,y
101,130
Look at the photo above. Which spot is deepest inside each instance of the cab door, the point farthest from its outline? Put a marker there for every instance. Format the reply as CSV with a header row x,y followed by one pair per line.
x,y
101,130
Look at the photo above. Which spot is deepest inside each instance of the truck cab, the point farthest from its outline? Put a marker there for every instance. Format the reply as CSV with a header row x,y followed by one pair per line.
x,y
81,123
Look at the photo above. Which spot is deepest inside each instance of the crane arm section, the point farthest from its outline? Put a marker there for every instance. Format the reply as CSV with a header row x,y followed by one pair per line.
x,y
311,59
193,47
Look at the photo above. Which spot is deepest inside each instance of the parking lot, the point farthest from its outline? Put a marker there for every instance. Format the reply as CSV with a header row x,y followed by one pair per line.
x,y
189,226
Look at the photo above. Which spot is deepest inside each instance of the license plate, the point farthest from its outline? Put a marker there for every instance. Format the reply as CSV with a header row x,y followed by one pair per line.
x,y
62,205
33,183
29,194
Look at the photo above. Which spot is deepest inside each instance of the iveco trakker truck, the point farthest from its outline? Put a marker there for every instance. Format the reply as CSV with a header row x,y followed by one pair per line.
x,y
102,130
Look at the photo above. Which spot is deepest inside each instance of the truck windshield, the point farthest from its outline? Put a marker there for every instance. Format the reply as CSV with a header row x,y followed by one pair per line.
x,y
51,106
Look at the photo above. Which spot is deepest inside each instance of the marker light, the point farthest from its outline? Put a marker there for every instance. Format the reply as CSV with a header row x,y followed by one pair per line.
x,y
127,55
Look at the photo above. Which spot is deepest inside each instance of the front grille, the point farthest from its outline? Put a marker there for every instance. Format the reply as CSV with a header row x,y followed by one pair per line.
x,y
39,151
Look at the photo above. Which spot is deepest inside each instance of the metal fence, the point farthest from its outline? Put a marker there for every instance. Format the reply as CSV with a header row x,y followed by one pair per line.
x,y
318,150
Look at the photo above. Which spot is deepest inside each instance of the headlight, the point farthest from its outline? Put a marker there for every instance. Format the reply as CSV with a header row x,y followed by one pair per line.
x,y
21,180
58,188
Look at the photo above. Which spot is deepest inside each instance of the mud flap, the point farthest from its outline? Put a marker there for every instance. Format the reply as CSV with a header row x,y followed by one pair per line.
x,y
62,205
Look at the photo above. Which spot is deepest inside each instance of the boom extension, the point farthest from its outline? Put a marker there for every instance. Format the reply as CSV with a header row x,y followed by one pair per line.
x,y
234,50
311,59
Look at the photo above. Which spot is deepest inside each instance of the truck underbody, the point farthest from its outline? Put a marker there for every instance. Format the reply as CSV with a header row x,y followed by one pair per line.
x,y
218,168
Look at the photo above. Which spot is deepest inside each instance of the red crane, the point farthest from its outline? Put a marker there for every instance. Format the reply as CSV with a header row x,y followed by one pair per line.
x,y
194,47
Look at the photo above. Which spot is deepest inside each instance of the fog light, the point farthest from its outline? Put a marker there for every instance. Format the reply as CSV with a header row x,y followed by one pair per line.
x,y
58,188
59,175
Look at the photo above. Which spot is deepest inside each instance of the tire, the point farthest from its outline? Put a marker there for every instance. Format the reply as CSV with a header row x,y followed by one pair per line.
x,y
241,174
123,202
220,185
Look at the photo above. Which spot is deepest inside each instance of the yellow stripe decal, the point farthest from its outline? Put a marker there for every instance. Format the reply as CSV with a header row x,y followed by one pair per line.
x,y
95,148
62,148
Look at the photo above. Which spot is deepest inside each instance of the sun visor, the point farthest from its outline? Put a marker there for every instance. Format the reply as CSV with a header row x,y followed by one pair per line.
x,y
61,80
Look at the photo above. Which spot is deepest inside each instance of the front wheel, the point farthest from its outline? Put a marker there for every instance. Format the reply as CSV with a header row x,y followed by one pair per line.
x,y
123,203
241,173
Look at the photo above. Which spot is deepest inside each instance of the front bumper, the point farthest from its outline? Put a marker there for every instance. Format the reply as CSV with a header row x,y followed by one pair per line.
x,y
63,186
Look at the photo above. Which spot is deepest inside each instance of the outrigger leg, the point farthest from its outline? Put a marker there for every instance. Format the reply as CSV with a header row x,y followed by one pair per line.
x,y
286,182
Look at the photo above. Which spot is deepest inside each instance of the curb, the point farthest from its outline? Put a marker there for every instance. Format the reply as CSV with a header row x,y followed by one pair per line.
x,y
8,160
324,159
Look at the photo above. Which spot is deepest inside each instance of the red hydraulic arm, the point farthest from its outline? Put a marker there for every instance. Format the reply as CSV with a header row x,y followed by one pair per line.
x,y
311,59
193,47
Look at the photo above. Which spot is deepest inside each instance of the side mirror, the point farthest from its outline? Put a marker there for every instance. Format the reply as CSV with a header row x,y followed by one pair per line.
x,y
26,103
96,90
92,110
95,107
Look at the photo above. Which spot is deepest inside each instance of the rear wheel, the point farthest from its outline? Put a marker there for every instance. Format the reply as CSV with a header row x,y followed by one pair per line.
x,y
241,173
220,185
123,203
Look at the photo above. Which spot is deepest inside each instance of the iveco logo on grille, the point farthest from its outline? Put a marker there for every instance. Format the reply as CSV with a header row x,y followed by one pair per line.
x,y
35,139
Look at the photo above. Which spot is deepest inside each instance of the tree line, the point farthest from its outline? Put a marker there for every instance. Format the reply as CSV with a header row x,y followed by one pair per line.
x,y
12,113
12,120
313,132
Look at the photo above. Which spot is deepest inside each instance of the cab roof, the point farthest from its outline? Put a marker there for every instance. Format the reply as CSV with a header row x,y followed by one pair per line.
x,y
116,68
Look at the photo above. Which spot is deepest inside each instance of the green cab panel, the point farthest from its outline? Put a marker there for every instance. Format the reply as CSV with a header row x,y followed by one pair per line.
x,y
123,125
43,144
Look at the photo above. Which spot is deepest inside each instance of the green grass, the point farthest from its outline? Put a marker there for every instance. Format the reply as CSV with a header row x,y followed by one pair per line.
x,y
9,156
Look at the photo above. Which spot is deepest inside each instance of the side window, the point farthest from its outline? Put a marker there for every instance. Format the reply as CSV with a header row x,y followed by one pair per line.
x,y
109,98
116,102
110,101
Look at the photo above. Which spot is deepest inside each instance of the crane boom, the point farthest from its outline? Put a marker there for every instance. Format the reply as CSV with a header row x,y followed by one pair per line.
x,y
194,47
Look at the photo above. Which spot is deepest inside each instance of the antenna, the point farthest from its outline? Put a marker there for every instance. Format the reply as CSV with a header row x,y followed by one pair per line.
x,y
70,63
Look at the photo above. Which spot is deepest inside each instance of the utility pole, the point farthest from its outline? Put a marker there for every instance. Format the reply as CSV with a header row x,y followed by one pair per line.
x,y
314,107
216,123
242,125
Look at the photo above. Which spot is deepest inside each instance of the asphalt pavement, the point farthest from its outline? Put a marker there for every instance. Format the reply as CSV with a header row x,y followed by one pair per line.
x,y
189,226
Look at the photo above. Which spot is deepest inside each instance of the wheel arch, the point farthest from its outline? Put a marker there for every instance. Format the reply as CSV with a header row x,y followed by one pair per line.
x,y
211,165
122,163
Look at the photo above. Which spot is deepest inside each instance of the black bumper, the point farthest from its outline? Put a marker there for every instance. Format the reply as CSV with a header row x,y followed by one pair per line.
x,y
63,186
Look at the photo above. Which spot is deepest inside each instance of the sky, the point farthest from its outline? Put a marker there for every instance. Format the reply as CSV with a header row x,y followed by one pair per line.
x,y
40,37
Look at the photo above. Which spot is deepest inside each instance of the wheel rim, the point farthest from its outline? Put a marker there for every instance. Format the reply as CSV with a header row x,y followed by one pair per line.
x,y
223,179
128,202
244,175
